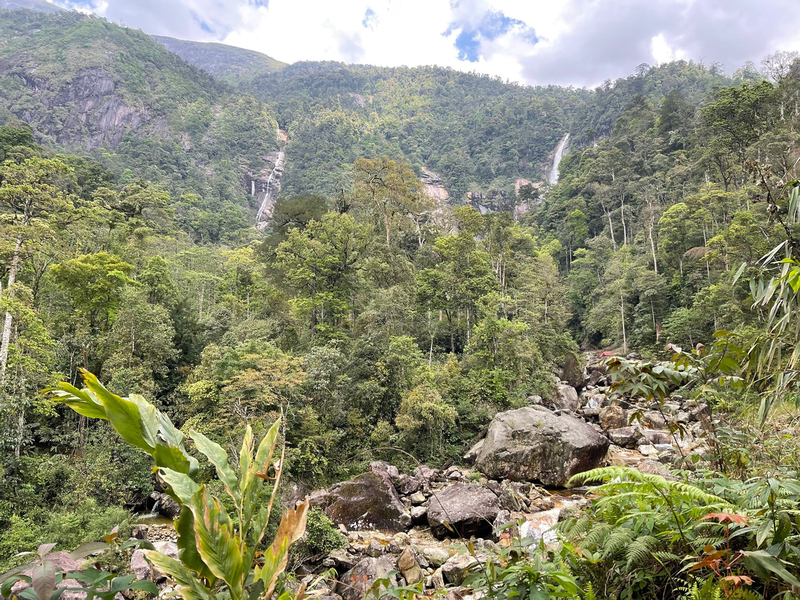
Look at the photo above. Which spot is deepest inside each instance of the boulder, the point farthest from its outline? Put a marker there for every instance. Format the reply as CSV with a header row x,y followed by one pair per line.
x,y
572,372
165,506
462,510
140,566
535,444
436,556
654,419
565,397
613,417
456,569
472,453
357,581
409,567
366,502
625,437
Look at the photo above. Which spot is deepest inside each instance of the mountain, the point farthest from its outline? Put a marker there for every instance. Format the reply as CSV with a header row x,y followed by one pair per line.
x,y
40,5
228,63
82,82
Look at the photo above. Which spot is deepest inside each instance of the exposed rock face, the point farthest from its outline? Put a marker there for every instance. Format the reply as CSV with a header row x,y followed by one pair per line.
x,y
165,505
355,583
469,510
565,397
535,444
95,114
368,501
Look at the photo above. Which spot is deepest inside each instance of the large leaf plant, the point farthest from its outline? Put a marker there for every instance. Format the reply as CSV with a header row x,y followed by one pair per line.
x,y
221,554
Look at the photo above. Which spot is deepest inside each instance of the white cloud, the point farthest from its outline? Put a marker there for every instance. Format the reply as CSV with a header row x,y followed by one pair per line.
x,y
580,42
663,52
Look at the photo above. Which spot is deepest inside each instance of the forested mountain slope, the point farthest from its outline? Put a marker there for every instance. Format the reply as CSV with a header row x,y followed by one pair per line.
x,y
228,63
375,319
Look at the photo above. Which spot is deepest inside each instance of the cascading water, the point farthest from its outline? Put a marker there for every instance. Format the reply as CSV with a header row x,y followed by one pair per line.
x,y
560,148
266,197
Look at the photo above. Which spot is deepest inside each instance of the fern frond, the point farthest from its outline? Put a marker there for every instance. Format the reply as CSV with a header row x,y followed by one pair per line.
x,y
597,536
640,550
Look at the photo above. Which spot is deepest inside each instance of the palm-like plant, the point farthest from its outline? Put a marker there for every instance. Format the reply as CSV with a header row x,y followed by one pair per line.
x,y
219,552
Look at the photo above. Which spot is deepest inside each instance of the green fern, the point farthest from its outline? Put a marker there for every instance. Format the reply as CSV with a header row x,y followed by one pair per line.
x,y
640,550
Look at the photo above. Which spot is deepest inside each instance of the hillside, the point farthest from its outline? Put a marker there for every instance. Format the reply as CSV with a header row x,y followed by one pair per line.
x,y
639,310
478,133
228,63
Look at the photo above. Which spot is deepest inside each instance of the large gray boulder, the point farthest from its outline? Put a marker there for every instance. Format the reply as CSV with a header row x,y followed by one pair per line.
x,y
355,584
535,444
366,502
565,397
462,510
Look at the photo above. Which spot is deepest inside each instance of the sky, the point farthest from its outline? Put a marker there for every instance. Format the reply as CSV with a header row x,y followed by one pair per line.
x,y
565,42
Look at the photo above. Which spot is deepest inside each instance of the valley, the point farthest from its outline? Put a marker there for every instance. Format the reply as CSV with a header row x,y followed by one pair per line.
x,y
391,331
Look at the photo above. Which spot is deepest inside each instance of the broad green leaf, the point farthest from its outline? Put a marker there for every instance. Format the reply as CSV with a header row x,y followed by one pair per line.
x,y
219,458
181,485
43,579
274,563
86,549
81,401
267,447
123,414
760,561
187,545
219,546
188,586
170,457
148,416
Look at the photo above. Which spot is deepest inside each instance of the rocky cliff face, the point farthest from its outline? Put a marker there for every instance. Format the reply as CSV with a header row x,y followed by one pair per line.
x,y
84,112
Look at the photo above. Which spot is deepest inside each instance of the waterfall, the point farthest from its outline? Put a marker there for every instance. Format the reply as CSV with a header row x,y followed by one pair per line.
x,y
266,204
562,146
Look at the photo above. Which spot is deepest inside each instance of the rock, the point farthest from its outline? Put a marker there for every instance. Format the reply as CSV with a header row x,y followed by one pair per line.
x,y
572,372
393,547
436,556
139,532
437,580
648,450
472,453
467,508
140,566
343,559
541,526
624,436
355,583
375,549
417,498
653,418
166,506
595,374
613,417
656,437
535,444
534,400
458,567
407,563
453,473
366,502
565,397
699,413
419,514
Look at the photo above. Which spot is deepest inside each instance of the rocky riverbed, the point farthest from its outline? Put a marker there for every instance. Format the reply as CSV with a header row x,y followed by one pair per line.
x,y
414,525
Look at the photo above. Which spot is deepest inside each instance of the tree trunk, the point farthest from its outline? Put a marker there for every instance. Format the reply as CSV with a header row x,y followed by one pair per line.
x,y
6,339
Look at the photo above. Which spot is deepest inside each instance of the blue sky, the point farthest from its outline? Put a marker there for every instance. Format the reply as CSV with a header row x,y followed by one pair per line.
x,y
572,42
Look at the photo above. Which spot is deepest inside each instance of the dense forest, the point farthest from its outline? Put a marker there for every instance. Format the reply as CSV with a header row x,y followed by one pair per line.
x,y
376,322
